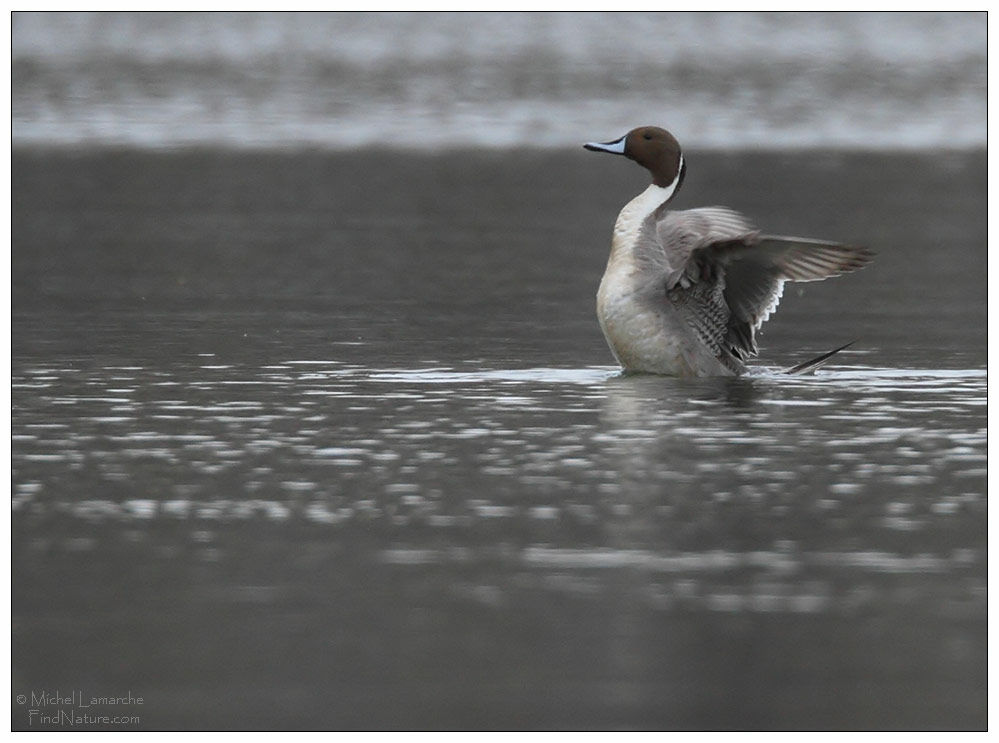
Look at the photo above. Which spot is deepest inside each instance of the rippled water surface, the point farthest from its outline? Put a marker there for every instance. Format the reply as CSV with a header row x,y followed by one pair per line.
x,y
284,457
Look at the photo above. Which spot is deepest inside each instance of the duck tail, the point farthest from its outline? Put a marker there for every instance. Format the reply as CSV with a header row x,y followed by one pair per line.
x,y
808,367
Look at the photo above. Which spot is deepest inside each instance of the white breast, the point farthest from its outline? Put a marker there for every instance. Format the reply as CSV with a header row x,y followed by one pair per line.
x,y
641,332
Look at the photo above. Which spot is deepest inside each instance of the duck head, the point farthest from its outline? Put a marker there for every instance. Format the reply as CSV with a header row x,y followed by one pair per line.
x,y
654,149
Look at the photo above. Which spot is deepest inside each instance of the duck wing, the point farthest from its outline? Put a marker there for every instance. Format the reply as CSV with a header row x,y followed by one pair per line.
x,y
733,276
678,235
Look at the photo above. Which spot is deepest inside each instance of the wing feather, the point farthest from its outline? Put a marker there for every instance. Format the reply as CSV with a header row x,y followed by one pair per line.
x,y
729,278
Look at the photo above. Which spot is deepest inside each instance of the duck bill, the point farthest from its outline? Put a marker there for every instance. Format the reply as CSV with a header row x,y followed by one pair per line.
x,y
615,148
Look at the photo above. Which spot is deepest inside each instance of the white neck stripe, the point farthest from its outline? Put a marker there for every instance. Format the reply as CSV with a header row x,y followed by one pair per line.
x,y
636,210
671,188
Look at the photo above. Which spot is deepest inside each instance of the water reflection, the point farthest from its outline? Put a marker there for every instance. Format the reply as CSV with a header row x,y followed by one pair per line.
x,y
615,529
642,460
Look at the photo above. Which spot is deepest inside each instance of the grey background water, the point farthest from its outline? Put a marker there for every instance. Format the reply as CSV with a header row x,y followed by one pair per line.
x,y
723,80
317,438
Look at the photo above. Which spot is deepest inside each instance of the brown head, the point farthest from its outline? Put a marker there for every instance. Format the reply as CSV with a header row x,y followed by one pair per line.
x,y
652,148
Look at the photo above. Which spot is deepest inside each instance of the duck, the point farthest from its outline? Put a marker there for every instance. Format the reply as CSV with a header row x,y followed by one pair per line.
x,y
685,292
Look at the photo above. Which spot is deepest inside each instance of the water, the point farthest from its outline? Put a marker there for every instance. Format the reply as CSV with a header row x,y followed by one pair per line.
x,y
333,440
434,81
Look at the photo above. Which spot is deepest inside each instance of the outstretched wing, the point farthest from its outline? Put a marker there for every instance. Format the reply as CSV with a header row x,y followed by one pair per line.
x,y
678,234
730,278
755,270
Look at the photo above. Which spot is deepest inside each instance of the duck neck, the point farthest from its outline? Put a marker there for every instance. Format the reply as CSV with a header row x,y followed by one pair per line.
x,y
630,220
635,212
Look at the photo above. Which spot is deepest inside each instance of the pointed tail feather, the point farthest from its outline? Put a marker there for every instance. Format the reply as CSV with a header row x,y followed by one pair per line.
x,y
807,367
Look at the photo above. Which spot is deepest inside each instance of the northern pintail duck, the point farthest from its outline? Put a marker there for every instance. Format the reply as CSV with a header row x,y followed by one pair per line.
x,y
684,292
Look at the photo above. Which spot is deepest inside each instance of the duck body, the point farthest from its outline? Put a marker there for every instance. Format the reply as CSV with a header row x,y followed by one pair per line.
x,y
650,326
684,292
